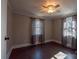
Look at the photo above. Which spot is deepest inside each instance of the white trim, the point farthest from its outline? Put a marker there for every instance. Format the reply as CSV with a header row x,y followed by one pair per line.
x,y
53,40
46,41
25,45
59,42
9,53
20,46
28,44
14,47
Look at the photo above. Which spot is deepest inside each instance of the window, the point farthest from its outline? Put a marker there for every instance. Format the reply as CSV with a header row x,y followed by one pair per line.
x,y
37,27
69,27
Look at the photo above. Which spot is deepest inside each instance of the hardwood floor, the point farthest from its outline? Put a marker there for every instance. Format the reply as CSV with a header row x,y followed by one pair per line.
x,y
43,51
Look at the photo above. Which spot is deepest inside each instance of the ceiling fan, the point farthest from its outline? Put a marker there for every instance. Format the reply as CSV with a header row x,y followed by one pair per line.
x,y
51,7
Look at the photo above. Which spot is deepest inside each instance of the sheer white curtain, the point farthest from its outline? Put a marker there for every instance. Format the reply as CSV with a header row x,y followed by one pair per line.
x,y
69,27
37,31
69,31
37,27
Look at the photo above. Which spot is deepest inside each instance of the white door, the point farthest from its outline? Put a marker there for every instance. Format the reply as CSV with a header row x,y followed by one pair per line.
x,y
3,28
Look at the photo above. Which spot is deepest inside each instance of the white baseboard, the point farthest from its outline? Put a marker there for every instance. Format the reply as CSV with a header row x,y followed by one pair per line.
x,y
25,45
46,41
53,40
28,44
59,42
20,46
14,47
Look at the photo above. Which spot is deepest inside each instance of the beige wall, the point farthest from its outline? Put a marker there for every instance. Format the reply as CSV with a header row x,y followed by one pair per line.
x,y
21,29
48,30
57,30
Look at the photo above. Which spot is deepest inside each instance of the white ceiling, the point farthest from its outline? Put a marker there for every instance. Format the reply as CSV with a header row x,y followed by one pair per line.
x,y
32,8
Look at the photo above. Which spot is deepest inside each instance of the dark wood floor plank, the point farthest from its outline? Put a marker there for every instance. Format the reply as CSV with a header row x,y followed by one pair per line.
x,y
43,51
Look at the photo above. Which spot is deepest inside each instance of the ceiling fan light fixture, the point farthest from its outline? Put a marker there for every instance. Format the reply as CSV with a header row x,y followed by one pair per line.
x,y
50,11
51,8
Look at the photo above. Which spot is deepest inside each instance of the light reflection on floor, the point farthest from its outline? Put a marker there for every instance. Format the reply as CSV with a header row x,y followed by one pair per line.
x,y
59,55
37,54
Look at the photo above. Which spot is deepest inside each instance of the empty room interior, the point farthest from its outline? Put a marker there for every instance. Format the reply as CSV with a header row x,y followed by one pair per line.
x,y
39,29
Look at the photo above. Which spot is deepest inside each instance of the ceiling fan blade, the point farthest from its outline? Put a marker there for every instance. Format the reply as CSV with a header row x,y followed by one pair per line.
x,y
44,6
57,6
